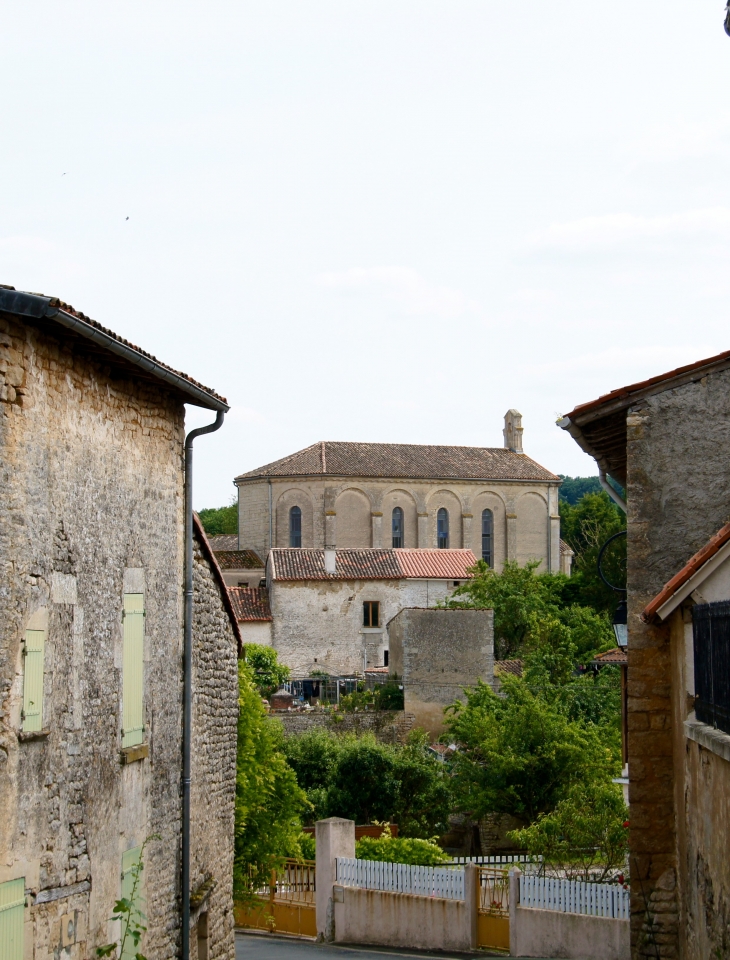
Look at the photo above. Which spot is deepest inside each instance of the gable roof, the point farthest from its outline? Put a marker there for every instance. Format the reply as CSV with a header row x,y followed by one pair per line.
x,y
250,603
599,426
239,560
404,460
686,580
50,312
617,655
200,536
223,541
371,563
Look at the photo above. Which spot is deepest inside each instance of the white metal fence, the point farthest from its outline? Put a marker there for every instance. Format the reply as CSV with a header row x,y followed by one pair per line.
x,y
444,882
506,859
575,896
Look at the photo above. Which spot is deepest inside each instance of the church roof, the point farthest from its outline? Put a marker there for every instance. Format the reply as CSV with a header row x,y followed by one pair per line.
x,y
404,461
371,563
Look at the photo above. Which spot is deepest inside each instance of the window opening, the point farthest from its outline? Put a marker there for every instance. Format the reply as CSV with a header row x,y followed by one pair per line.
x,y
487,532
33,650
12,906
397,527
371,613
295,527
442,528
385,657
133,670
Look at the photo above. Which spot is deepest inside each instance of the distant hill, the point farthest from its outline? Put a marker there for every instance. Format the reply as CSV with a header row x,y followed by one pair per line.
x,y
573,488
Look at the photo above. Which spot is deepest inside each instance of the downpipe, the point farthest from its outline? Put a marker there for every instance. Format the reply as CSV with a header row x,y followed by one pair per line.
x,y
188,677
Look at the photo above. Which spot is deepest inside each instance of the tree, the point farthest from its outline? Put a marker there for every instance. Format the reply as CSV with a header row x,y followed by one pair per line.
x,y
268,673
218,520
269,802
573,488
586,527
520,754
389,849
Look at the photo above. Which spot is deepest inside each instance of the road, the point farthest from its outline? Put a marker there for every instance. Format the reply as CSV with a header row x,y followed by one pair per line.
x,y
252,946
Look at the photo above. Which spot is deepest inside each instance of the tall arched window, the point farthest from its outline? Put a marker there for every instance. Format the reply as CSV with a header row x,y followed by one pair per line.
x,y
397,527
442,528
295,527
487,537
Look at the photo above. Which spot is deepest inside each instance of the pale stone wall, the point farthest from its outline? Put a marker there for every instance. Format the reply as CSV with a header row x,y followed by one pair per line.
x,y
318,624
256,631
357,512
92,481
387,726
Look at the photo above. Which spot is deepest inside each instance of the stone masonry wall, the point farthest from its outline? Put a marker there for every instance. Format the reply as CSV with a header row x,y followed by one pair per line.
x,y
388,727
678,497
91,478
213,787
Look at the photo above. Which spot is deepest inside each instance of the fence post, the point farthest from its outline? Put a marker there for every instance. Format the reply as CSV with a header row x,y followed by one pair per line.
x,y
471,901
335,838
514,899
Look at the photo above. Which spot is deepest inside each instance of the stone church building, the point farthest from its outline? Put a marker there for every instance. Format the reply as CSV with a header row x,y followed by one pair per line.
x,y
494,501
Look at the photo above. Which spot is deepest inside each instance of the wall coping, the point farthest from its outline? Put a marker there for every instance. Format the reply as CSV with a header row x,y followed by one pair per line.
x,y
713,740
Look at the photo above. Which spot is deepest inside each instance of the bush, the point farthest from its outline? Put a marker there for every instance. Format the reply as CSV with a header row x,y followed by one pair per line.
x,y
268,673
388,849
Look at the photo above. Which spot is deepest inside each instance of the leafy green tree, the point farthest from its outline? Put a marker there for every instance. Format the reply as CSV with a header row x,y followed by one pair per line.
x,y
218,520
573,488
586,527
389,849
269,802
520,754
585,837
268,673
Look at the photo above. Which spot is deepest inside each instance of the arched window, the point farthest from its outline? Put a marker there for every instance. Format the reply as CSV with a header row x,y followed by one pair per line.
x,y
487,537
295,527
397,527
442,528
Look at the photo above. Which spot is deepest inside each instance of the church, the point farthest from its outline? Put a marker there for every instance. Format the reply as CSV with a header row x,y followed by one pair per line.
x,y
494,501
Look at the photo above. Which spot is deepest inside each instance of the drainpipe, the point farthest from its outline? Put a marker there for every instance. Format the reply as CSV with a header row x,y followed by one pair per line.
x,y
188,677
271,518
611,490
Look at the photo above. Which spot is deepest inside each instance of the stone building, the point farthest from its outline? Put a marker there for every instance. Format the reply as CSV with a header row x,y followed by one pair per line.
x,y
253,613
437,653
91,642
496,502
331,609
665,441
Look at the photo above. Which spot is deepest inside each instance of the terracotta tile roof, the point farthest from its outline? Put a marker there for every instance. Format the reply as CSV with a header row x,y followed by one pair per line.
x,y
223,541
688,570
239,560
42,308
404,460
616,655
199,534
250,603
435,564
508,666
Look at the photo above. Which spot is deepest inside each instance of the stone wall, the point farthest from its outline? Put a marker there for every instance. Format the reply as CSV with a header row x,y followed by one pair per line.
x,y
387,726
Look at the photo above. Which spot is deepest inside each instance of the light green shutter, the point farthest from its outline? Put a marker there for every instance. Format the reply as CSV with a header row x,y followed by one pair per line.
x,y
129,859
133,670
12,904
35,641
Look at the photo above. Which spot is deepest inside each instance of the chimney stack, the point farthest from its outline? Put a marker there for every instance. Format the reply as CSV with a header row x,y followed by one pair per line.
x,y
330,560
513,431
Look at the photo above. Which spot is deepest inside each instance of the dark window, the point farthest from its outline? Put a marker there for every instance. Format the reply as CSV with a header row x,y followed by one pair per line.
x,y
243,583
397,527
711,636
371,613
487,534
442,528
295,527
385,658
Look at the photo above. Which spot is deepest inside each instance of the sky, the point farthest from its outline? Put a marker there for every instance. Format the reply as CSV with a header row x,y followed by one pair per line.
x,y
376,221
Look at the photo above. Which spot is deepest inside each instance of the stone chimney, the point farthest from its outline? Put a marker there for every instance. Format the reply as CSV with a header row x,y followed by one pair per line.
x,y
330,560
513,431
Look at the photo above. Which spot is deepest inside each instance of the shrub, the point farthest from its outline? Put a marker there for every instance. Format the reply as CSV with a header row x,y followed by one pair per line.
x,y
388,849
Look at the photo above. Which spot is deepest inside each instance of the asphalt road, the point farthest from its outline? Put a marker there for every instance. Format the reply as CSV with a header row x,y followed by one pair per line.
x,y
252,946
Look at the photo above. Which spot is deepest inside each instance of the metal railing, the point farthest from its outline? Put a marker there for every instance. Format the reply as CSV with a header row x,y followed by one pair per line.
x,y
711,636
293,882
494,891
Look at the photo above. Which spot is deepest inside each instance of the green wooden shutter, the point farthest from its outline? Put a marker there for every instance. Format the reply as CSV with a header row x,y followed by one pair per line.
x,y
133,670
12,905
35,641
129,859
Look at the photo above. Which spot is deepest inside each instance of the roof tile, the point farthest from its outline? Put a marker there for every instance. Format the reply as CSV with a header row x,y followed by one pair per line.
x,y
250,603
239,560
371,563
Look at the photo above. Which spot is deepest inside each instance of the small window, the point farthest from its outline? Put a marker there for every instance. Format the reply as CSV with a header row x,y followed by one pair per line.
x,y
442,528
397,527
133,670
371,613
35,641
295,527
385,657
12,907
487,532
243,583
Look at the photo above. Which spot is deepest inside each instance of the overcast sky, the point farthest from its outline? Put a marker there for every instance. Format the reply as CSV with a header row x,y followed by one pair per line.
x,y
378,221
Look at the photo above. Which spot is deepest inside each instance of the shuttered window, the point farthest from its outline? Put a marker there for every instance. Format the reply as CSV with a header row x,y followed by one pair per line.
x,y
35,641
12,904
129,860
133,670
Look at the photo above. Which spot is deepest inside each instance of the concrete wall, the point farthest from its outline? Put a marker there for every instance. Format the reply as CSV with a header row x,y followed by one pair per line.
x,y
678,497
256,631
358,513
91,474
437,653
548,933
318,625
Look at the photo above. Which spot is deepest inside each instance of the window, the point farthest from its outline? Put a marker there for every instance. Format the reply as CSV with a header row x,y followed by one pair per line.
x,y
133,670
385,658
711,640
35,641
371,613
442,528
130,862
487,531
295,527
12,906
243,583
397,527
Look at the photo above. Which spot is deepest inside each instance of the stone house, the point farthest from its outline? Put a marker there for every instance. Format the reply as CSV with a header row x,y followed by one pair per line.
x,y
665,440
331,608
92,549
496,502
253,613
